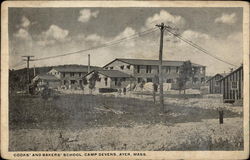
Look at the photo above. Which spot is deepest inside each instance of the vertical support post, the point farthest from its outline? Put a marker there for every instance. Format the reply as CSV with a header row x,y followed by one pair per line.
x,y
162,27
34,69
221,116
28,73
88,63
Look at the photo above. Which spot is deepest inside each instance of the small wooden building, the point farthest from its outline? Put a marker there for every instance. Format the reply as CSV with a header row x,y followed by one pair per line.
x,y
46,80
110,79
214,83
232,86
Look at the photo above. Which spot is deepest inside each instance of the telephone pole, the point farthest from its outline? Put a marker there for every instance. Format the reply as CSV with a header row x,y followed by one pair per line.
x,y
162,27
28,59
88,63
34,70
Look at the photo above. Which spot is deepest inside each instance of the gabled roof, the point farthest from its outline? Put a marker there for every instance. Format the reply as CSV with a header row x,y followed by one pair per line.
x,y
75,68
111,73
241,67
220,74
151,62
46,77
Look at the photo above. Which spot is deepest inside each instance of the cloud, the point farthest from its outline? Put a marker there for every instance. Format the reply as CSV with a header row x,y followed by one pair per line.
x,y
195,36
165,17
22,34
52,35
94,38
226,18
128,31
25,22
86,14
229,49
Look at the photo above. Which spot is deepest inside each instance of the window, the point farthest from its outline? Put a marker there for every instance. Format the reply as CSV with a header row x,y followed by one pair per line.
x,y
111,67
202,79
167,69
201,70
138,69
148,69
217,83
80,74
106,81
72,74
149,80
195,79
63,74
139,80
72,81
169,80
194,70
64,82
115,81
122,67
177,69
234,85
128,66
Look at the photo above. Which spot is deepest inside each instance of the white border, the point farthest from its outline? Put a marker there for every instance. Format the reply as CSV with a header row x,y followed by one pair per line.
x,y
150,154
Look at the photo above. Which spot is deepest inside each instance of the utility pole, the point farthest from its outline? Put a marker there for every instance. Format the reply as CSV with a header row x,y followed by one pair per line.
x,y
88,63
28,74
162,27
34,69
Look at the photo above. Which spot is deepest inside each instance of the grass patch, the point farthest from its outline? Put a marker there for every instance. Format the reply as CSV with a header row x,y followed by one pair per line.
x,y
81,111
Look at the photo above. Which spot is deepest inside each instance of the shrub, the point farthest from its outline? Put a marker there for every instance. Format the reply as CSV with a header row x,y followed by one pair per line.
x,y
107,90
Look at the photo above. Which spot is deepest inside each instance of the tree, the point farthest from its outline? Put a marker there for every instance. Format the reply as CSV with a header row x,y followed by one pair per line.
x,y
85,81
92,80
185,73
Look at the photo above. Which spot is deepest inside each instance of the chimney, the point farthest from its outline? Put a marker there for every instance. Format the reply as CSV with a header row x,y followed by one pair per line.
x,y
231,70
88,63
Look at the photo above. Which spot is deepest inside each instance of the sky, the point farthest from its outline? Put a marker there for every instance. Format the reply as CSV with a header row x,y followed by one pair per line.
x,y
43,32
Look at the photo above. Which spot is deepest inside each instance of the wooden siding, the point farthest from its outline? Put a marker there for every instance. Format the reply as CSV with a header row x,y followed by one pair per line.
x,y
230,94
215,88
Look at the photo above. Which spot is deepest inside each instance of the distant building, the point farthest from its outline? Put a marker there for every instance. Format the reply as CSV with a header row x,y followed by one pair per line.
x,y
232,86
214,83
69,76
142,69
46,80
110,79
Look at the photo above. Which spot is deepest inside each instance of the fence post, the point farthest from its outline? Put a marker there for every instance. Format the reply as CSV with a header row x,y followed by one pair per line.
x,y
221,116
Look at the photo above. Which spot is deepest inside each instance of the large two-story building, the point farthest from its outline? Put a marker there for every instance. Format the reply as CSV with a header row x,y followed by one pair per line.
x,y
142,69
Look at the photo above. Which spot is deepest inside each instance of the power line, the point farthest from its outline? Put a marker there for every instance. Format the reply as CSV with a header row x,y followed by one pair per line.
x,y
198,47
18,64
136,35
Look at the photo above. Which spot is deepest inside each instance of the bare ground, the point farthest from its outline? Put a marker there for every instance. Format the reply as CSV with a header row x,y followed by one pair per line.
x,y
87,122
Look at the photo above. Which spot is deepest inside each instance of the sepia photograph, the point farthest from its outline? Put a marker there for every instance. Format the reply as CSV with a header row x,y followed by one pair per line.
x,y
110,79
